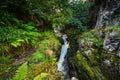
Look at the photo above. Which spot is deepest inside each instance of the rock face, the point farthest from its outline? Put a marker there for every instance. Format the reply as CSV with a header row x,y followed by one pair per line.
x,y
98,58
105,12
111,47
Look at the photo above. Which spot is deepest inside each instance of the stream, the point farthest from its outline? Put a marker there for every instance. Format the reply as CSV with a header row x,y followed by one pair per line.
x,y
62,65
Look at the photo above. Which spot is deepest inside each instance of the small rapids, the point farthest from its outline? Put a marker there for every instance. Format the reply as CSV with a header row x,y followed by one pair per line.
x,y
62,63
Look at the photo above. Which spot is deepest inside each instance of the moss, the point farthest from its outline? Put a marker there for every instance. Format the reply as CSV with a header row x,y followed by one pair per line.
x,y
50,40
49,66
117,35
72,33
89,59
89,65
90,34
110,28
39,62
85,70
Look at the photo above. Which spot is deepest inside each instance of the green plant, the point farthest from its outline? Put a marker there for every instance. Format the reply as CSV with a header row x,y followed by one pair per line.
x,y
21,72
5,60
80,14
41,76
16,37
38,56
4,48
45,70
47,41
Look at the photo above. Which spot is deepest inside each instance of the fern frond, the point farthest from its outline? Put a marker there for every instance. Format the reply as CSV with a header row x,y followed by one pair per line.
x,y
21,72
41,76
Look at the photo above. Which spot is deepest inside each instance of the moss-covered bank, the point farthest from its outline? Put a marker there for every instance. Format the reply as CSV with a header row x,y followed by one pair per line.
x,y
98,56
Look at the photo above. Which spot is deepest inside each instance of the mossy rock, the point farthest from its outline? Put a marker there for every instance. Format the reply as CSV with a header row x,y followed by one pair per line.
x,y
85,69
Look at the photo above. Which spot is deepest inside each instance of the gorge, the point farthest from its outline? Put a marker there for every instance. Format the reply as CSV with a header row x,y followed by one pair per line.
x,y
60,40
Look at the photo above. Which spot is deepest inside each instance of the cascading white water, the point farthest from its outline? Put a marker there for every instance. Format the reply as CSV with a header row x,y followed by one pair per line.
x,y
62,63
62,55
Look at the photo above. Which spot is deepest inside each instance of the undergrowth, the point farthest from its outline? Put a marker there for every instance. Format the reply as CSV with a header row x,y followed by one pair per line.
x,y
40,64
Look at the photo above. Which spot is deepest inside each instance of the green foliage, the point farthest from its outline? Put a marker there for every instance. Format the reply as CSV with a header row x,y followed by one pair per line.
x,y
15,37
5,17
82,65
62,13
54,12
77,23
41,76
61,18
7,34
73,33
21,72
50,40
10,35
47,41
4,60
3,48
37,57
14,4
85,64
92,36
110,28
80,14
41,65
45,70
8,19
27,27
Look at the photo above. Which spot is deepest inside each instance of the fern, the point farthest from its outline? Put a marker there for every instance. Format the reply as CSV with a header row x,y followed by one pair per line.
x,y
21,72
41,76
37,57
17,42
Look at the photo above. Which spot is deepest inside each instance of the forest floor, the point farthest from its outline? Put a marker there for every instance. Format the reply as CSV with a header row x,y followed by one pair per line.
x,y
21,58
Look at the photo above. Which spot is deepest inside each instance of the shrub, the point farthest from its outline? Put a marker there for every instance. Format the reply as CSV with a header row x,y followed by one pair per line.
x,y
21,72
14,37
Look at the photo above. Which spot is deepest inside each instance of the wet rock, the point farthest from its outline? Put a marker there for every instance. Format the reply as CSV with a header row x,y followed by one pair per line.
x,y
88,52
49,52
111,34
107,62
18,61
91,43
64,36
118,54
110,42
57,32
94,52
109,48
74,78
81,44
108,13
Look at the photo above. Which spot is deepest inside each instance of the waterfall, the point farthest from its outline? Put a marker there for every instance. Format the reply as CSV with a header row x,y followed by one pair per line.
x,y
62,63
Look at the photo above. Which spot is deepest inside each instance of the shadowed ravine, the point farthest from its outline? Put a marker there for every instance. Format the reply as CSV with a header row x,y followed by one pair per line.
x,y
62,63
